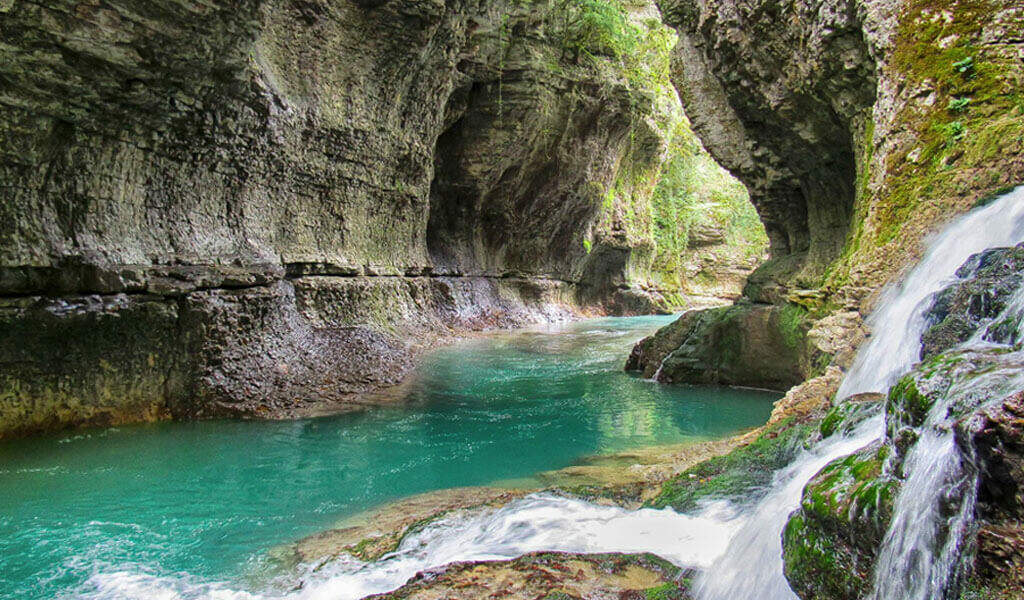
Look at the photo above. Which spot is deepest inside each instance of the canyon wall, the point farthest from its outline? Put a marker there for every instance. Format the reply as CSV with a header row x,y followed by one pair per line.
x,y
250,207
859,127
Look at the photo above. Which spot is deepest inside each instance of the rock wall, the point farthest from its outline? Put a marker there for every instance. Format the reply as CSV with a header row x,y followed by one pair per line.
x,y
248,207
859,126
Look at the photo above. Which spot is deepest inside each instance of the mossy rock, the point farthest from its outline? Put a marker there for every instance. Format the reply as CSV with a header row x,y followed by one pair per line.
x,y
744,473
742,344
846,415
829,543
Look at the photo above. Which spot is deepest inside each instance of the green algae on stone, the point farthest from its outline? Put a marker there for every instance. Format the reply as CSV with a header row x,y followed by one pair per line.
x,y
844,416
742,474
829,543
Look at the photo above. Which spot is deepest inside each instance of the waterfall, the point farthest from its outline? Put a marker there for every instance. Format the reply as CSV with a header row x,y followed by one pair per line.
x,y
920,555
539,522
899,321
752,567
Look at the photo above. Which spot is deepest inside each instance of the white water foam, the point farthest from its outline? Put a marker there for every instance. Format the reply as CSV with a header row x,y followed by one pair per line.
x,y
899,321
742,554
540,522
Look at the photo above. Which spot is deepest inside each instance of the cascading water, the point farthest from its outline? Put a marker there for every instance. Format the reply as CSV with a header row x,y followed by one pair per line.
x,y
742,555
537,522
752,566
920,555
899,321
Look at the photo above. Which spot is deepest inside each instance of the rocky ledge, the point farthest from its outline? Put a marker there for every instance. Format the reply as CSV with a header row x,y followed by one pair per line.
x,y
260,207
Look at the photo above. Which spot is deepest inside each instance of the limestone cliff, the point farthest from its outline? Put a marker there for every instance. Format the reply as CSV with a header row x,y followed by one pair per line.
x,y
859,126
247,207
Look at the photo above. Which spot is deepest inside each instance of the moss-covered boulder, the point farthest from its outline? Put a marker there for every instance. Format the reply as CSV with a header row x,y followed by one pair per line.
x,y
743,344
829,544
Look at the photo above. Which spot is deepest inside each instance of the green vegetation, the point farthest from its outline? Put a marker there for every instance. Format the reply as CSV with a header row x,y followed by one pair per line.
x,y
964,143
793,325
823,559
695,193
598,28
665,591
742,473
846,415
667,186
958,105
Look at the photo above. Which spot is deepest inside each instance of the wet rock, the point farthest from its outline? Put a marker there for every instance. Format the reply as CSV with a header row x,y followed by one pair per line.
x,y
550,576
830,542
846,415
988,283
998,436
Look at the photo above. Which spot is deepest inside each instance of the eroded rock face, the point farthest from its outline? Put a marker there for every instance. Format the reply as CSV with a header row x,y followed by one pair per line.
x,y
859,126
778,91
998,436
848,121
744,344
243,206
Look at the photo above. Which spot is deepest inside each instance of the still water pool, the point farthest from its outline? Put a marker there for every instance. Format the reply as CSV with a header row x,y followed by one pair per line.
x,y
205,501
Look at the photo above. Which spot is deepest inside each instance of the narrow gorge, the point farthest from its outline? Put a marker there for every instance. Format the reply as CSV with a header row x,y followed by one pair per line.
x,y
331,299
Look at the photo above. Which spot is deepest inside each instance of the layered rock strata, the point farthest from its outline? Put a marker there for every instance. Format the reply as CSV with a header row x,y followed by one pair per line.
x,y
248,207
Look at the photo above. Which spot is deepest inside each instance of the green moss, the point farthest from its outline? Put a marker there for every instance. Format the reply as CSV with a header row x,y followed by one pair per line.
x,y
793,325
906,404
744,472
965,141
845,416
665,591
829,544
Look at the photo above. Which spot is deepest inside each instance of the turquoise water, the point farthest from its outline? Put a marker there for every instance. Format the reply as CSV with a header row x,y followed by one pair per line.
x,y
206,501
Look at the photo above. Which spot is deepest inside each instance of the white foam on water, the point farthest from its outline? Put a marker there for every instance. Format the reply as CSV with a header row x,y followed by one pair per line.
x,y
742,555
539,522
